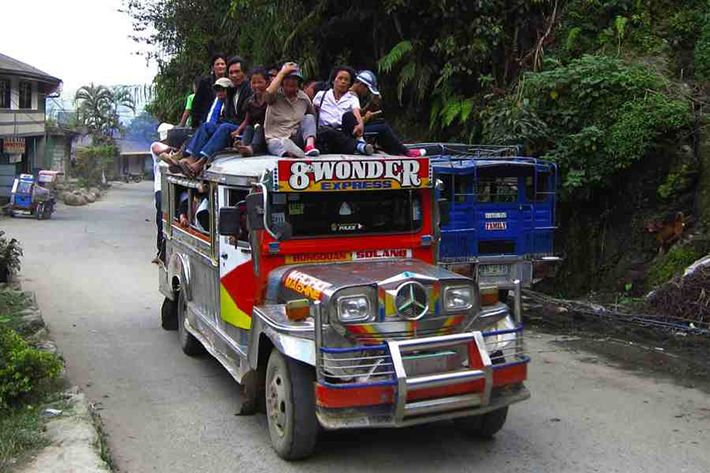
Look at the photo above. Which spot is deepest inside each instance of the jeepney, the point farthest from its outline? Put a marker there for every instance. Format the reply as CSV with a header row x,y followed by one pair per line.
x,y
498,213
315,284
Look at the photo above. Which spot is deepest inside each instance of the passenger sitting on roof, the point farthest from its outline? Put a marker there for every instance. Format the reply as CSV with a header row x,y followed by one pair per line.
x,y
204,95
339,121
210,137
309,87
290,122
252,128
366,84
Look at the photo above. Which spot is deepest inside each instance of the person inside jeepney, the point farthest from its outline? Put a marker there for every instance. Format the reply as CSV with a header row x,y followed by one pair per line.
x,y
252,128
365,87
340,124
204,96
211,138
290,125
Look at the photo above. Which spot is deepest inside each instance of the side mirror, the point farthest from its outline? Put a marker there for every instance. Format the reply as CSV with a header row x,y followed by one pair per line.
x,y
255,211
283,231
229,221
445,212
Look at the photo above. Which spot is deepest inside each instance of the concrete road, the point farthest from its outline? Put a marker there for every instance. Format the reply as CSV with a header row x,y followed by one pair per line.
x,y
165,412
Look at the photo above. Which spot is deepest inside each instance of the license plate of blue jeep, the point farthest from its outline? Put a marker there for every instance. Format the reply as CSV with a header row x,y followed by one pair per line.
x,y
489,270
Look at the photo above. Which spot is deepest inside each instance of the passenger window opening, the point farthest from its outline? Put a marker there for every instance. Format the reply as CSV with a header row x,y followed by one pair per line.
x,y
200,211
237,198
540,192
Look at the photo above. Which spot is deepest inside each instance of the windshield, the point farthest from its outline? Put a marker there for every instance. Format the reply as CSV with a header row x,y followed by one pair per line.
x,y
348,213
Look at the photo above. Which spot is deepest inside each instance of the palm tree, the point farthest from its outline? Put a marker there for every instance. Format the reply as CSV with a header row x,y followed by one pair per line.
x,y
93,107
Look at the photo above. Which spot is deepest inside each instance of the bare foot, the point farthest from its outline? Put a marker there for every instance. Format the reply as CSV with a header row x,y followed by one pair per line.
x,y
245,151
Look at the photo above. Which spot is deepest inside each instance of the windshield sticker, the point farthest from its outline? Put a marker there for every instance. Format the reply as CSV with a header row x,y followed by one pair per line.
x,y
346,227
296,209
278,217
355,175
307,285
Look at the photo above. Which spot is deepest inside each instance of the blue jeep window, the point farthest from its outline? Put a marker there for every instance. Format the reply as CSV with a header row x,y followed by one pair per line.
x,y
496,189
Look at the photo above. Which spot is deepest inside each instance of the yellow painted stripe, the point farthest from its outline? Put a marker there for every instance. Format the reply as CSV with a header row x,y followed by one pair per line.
x,y
230,312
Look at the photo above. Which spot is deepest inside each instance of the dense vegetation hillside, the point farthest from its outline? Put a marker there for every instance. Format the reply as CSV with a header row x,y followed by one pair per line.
x,y
612,90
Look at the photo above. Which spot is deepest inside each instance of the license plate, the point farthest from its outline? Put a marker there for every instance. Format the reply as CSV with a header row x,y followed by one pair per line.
x,y
487,270
496,225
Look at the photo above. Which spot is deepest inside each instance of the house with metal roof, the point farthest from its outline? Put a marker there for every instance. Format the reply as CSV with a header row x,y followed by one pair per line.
x,y
23,92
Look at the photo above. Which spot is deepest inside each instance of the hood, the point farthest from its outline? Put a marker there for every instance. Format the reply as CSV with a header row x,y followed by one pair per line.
x,y
381,282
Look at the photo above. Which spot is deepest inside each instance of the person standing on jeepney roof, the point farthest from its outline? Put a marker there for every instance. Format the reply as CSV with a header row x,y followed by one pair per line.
x,y
211,138
290,118
186,118
252,128
204,96
365,87
340,125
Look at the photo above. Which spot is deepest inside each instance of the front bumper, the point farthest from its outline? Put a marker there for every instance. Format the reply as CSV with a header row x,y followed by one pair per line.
x,y
492,379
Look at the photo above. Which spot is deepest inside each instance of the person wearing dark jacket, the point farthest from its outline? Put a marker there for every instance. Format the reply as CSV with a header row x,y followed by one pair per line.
x,y
204,95
211,138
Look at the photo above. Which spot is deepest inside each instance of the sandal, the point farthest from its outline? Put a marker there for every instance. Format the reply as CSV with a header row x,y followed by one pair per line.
x,y
186,169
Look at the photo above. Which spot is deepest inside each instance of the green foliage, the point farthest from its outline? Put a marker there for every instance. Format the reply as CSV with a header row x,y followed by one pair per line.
x,y
702,51
10,254
673,263
604,114
513,122
23,369
91,164
11,302
98,107
675,182
21,432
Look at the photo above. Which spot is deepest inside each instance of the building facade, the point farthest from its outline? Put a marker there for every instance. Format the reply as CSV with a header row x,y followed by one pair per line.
x,y
23,131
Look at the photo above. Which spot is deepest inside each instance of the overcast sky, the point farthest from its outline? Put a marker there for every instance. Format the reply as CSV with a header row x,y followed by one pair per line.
x,y
78,41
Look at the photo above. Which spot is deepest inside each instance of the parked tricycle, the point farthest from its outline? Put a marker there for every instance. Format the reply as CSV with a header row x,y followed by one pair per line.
x,y
34,197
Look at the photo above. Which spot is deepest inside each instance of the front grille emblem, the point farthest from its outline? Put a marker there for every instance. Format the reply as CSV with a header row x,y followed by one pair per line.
x,y
411,300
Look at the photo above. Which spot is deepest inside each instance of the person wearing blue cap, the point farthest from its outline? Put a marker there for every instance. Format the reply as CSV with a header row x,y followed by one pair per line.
x,y
365,86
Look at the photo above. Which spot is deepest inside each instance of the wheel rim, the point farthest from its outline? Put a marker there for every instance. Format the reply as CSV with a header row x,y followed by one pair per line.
x,y
276,403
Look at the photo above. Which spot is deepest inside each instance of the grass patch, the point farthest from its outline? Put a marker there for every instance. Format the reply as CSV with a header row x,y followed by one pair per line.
x,y
104,451
21,432
11,302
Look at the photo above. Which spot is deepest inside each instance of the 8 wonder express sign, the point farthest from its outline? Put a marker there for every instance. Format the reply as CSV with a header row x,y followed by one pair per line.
x,y
352,175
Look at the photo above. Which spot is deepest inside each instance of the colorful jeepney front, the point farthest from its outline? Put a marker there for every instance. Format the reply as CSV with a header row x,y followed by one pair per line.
x,y
398,341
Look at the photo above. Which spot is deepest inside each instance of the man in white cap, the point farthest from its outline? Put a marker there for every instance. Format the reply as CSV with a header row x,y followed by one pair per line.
x,y
365,86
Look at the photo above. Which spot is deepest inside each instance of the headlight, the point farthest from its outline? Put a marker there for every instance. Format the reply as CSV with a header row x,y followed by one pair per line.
x,y
353,308
458,298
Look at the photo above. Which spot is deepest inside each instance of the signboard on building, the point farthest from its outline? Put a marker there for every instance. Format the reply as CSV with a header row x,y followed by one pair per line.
x,y
13,145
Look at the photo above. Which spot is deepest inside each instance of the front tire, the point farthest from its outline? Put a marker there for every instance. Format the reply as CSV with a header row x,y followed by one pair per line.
x,y
483,426
290,407
189,344
168,315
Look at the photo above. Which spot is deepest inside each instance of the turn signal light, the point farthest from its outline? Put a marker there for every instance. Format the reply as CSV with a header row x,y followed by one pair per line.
x,y
298,310
489,295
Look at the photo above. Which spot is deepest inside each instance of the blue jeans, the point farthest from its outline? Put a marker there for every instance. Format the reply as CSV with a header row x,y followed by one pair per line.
x,y
211,138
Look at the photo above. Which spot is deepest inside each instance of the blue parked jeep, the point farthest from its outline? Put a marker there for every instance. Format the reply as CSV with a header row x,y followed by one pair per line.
x,y
497,212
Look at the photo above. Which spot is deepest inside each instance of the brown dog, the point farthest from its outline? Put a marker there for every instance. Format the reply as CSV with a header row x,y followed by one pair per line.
x,y
668,230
